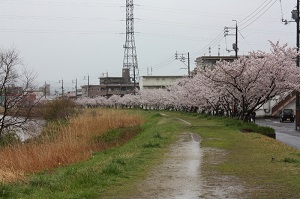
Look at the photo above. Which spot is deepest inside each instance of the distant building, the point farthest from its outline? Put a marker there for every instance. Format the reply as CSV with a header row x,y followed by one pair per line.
x,y
45,89
210,61
156,82
109,86
17,95
74,94
13,90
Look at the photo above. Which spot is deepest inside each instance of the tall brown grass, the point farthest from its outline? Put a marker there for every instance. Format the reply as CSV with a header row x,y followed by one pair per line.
x,y
68,144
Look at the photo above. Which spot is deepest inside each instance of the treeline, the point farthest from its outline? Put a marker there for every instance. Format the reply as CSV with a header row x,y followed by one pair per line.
x,y
233,89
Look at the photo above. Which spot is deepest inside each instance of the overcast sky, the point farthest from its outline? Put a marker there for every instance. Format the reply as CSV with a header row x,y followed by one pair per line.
x,y
68,39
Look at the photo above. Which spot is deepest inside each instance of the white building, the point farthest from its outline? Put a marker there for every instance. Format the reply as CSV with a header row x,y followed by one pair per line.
x,y
156,82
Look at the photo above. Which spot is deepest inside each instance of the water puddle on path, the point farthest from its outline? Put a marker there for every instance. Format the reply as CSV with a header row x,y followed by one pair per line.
x,y
179,174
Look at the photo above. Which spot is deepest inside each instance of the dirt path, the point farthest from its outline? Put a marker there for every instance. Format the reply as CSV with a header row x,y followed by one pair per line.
x,y
179,174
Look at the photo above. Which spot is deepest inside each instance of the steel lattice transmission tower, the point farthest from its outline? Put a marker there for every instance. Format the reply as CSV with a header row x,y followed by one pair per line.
x,y
130,57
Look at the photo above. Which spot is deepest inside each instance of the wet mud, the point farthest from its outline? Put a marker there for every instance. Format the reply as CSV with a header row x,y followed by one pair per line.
x,y
179,175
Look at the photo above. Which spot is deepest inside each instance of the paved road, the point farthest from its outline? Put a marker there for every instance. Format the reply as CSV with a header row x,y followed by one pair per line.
x,y
285,132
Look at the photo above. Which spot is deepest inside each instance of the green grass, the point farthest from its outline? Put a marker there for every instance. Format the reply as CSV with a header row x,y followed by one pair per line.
x,y
106,173
265,167
269,168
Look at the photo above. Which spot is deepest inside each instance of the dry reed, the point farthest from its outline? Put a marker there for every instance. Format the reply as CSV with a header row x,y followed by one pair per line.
x,y
71,143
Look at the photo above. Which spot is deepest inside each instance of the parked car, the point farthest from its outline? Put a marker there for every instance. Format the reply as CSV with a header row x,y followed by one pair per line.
x,y
287,115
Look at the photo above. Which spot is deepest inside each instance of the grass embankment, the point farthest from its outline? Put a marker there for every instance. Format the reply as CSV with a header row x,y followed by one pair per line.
x,y
62,144
99,173
264,167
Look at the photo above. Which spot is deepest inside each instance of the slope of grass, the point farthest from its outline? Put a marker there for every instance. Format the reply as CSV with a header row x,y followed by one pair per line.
x,y
104,173
63,144
265,167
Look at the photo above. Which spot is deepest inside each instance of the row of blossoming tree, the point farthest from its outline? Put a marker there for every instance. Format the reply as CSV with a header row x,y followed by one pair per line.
x,y
235,88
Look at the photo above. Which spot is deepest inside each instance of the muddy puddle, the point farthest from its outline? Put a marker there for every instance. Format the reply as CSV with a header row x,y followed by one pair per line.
x,y
179,174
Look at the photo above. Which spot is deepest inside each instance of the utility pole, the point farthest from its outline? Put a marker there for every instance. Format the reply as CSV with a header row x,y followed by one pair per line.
x,y
182,58
75,81
62,87
106,82
130,57
295,16
235,45
45,90
88,85
236,39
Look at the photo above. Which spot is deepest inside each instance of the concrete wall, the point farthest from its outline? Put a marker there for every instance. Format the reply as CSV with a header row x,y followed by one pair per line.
x,y
155,82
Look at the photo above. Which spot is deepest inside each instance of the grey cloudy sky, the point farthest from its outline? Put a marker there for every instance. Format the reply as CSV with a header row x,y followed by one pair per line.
x,y
68,39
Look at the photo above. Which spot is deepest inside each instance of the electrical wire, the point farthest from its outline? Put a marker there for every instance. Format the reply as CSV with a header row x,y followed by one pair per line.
x,y
242,28
281,9
18,17
172,36
213,43
162,63
63,4
259,7
176,24
180,11
59,31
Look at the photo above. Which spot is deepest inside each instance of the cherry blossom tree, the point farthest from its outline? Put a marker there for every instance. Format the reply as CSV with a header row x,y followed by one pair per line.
x,y
253,80
235,88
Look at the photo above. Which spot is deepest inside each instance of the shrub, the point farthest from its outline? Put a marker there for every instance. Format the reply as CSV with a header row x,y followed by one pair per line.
x,y
109,137
233,122
290,160
5,190
115,137
8,139
264,130
59,109
151,145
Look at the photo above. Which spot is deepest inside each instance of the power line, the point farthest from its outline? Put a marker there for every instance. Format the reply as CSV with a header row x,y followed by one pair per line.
x,y
64,4
172,36
54,18
213,43
163,63
59,31
180,11
176,24
258,15
259,7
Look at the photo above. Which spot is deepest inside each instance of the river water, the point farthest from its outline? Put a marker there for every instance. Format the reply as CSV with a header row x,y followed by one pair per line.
x,y
31,128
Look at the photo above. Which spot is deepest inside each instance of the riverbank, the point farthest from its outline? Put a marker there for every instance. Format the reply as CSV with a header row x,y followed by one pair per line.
x,y
253,165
